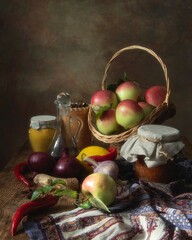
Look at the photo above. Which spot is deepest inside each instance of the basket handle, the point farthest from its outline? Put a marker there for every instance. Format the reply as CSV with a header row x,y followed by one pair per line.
x,y
164,68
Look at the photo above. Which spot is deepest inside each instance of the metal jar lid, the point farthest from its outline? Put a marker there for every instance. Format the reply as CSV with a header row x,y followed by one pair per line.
x,y
43,121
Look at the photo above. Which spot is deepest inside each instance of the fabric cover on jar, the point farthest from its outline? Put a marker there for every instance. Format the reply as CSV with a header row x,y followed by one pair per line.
x,y
157,143
41,132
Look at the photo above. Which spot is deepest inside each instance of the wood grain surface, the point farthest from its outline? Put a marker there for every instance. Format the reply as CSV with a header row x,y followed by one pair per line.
x,y
13,194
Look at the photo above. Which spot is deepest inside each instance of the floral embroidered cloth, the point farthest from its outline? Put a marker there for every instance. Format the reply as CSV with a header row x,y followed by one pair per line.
x,y
142,210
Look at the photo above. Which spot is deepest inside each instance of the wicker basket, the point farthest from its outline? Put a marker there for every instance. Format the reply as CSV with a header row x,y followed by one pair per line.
x,y
157,113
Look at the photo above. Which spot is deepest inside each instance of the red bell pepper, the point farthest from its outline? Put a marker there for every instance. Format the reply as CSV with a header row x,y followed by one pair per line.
x,y
32,207
19,171
109,156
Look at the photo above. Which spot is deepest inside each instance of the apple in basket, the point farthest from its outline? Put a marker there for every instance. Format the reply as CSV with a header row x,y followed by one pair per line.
x,y
147,108
100,186
155,95
102,100
129,113
106,123
128,90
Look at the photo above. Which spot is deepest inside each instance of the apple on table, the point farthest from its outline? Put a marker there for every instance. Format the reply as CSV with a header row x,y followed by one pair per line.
x,y
100,186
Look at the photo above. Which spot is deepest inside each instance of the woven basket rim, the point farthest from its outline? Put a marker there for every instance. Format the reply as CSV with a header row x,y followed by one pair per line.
x,y
117,138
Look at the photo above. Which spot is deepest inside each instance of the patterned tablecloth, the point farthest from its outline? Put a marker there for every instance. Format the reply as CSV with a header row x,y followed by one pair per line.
x,y
142,210
150,211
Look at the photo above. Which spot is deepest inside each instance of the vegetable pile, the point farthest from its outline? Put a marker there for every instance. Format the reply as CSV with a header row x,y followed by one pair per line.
x,y
49,179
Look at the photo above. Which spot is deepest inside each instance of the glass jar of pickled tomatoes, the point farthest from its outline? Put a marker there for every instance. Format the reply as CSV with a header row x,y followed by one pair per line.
x,y
41,132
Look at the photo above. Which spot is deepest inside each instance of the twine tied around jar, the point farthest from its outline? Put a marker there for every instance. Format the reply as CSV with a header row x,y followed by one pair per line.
x,y
156,143
160,146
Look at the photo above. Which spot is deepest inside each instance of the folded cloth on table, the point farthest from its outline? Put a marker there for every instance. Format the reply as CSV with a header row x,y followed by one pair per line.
x,y
184,169
150,211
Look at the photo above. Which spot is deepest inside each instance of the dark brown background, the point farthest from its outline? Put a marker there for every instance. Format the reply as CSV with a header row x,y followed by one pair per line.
x,y
51,46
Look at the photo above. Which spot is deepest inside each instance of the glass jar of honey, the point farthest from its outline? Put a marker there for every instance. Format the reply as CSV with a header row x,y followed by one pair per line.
x,y
41,132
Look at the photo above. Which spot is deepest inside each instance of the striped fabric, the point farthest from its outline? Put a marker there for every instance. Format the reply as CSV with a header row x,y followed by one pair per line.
x,y
151,212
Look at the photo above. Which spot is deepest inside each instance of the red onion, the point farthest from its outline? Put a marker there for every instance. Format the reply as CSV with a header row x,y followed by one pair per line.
x,y
68,166
108,167
41,162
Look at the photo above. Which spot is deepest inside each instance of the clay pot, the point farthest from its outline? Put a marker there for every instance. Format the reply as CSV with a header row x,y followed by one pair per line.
x,y
85,138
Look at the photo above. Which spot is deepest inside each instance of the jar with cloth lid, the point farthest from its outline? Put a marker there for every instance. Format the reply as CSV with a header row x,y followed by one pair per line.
x,y
41,132
153,150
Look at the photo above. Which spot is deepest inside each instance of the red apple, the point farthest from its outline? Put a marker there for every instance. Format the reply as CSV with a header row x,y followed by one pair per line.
x,y
100,186
129,113
103,98
147,108
106,123
128,90
155,95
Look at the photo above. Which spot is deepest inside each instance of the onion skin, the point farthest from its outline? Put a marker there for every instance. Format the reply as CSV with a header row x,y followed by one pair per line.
x,y
108,167
68,167
41,162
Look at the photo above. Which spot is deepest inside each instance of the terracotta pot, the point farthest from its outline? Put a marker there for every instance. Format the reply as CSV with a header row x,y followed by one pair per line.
x,y
85,136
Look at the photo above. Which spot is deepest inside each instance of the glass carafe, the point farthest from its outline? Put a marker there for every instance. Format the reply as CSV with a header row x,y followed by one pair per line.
x,y
63,138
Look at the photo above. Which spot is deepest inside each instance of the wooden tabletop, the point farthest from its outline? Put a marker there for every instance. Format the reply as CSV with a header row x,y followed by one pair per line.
x,y
13,194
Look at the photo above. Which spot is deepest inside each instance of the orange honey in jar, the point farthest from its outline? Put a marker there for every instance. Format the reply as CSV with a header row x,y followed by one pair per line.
x,y
41,132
